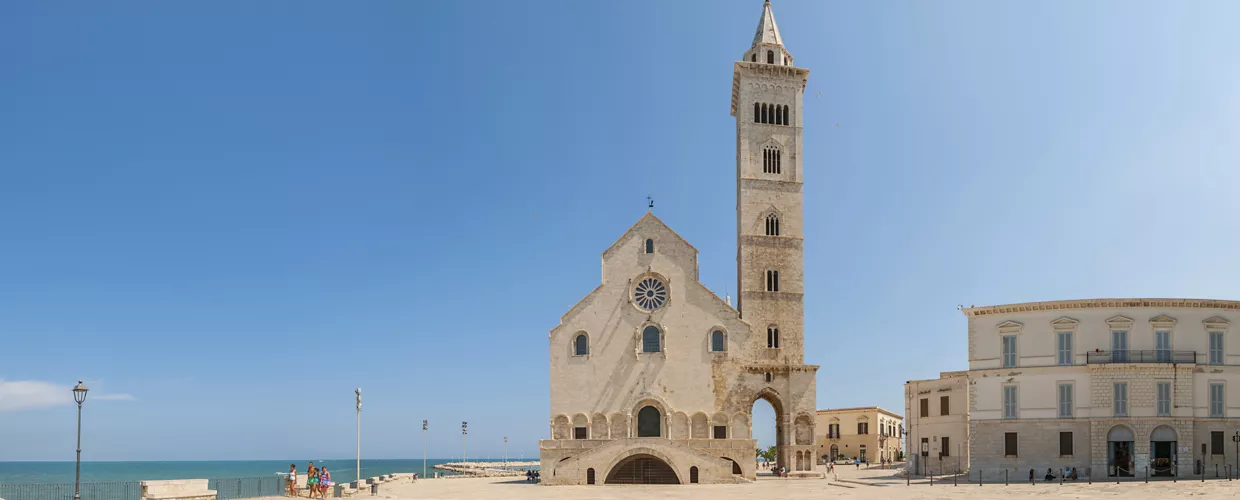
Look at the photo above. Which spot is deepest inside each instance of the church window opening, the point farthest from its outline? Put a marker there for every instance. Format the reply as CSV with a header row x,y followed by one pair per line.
x,y
579,433
770,57
649,246
649,422
717,343
753,57
779,115
764,113
785,114
772,225
772,281
650,294
772,338
650,339
757,115
771,160
581,345
768,377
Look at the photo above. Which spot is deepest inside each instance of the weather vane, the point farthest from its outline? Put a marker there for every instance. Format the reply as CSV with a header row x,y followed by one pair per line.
x,y
649,205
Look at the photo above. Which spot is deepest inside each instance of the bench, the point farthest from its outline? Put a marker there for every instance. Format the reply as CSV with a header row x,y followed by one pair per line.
x,y
179,489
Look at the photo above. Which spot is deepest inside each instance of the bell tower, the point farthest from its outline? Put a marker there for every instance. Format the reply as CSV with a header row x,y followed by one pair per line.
x,y
767,95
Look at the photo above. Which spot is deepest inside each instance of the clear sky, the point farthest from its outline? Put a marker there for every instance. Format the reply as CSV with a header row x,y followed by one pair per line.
x,y
226,215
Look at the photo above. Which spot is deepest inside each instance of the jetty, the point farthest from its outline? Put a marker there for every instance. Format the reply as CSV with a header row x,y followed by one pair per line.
x,y
487,469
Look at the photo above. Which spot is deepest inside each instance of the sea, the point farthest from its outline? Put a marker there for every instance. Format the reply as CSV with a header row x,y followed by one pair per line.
x,y
343,470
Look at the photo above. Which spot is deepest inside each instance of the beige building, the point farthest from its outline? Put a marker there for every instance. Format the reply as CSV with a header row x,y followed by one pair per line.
x,y
653,376
1108,386
937,423
868,433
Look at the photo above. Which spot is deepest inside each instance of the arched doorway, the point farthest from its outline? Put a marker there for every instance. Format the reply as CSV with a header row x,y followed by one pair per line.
x,y
1162,451
773,409
835,452
1119,452
642,469
736,468
649,422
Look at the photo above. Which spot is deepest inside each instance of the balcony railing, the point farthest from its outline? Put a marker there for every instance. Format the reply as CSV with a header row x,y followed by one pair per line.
x,y
1129,356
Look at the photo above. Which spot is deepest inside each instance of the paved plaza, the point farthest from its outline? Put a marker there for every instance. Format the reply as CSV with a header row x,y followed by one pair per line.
x,y
849,483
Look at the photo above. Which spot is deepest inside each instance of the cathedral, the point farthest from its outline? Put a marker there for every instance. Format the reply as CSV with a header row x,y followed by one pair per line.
x,y
653,376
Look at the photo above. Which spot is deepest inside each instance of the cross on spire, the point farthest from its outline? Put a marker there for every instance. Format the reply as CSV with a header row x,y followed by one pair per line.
x,y
650,204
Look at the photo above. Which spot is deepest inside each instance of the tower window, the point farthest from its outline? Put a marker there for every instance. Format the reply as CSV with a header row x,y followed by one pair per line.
x,y
753,57
765,118
771,160
757,117
772,225
779,115
649,246
770,57
768,377
772,281
772,337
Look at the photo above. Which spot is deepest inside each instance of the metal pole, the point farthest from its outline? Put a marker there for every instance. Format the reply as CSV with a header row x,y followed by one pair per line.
x,y
423,448
359,435
505,452
77,475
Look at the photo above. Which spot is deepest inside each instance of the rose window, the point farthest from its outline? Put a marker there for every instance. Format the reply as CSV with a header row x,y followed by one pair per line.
x,y
650,294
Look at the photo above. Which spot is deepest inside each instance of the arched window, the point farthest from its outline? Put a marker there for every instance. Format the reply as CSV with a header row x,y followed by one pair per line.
x,y
764,113
779,115
757,117
786,114
693,475
649,246
650,339
771,159
717,343
581,345
772,281
649,422
753,57
768,377
770,57
772,337
590,476
772,225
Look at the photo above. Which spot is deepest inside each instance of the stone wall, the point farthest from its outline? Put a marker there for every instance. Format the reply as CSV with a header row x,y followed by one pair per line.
x,y
1037,447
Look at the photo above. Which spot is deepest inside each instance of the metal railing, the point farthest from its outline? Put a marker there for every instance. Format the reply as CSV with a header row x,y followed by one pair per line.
x,y
1144,356
247,487
129,490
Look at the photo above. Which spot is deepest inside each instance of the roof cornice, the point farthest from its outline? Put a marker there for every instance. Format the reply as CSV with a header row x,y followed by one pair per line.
x,y
1063,305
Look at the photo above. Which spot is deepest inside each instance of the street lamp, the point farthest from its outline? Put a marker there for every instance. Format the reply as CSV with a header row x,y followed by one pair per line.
x,y
423,448
1236,439
505,452
358,392
464,440
79,395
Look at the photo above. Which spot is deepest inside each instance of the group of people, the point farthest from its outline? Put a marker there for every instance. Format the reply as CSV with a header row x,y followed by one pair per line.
x,y
531,476
1070,475
318,481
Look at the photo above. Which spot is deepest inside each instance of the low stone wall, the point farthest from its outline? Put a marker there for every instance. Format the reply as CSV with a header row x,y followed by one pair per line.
x,y
178,489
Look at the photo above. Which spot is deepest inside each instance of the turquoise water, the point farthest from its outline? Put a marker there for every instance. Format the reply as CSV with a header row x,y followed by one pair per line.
x,y
341,470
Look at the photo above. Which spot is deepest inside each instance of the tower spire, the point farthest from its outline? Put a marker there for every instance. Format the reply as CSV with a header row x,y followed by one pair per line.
x,y
767,32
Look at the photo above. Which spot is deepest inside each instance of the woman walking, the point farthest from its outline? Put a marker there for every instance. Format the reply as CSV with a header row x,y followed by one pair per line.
x,y
292,480
325,482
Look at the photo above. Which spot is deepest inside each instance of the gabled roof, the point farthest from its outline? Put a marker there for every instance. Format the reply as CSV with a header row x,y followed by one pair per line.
x,y
649,217
767,32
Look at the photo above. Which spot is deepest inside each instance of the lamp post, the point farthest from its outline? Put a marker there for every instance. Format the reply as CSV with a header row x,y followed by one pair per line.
x,y
358,392
423,448
925,453
463,442
79,395
1236,439
505,452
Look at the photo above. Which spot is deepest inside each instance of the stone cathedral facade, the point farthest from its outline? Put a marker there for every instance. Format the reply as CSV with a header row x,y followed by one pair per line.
x,y
653,376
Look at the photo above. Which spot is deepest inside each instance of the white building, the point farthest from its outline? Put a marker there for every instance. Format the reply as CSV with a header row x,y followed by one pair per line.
x,y
1108,385
653,376
937,423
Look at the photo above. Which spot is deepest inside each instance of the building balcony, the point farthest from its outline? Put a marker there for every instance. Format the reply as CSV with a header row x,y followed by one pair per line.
x,y
1130,356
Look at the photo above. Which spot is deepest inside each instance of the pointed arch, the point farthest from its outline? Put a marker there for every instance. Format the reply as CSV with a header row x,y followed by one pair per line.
x,y
779,115
770,57
786,120
764,113
772,224
700,426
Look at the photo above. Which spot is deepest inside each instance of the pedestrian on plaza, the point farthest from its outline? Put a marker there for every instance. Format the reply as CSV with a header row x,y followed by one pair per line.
x,y
292,480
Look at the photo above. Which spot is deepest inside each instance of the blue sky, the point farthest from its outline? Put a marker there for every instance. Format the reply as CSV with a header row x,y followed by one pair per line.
x,y
227,215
